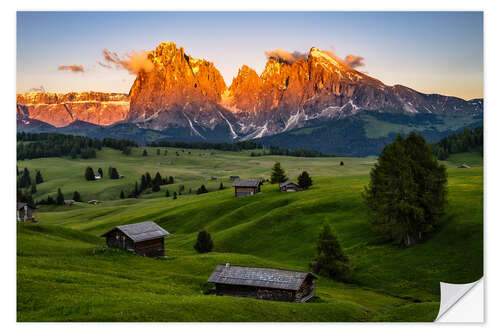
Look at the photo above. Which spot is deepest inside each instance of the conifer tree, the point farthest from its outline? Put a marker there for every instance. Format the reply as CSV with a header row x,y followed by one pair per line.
x,y
407,193
76,196
158,151
278,174
158,180
38,177
167,193
304,180
33,188
221,186
144,152
89,174
25,180
331,260
100,172
122,195
60,197
202,190
175,196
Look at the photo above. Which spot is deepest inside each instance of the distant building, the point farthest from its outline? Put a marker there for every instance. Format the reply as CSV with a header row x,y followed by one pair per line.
x,y
214,178
144,238
97,176
263,283
233,178
290,186
25,212
69,202
243,188
93,202
464,166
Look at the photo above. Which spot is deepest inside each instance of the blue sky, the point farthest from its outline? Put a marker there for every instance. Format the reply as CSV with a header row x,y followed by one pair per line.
x,y
433,52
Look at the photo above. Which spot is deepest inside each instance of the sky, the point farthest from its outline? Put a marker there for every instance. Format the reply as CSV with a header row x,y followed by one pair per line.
x,y
432,52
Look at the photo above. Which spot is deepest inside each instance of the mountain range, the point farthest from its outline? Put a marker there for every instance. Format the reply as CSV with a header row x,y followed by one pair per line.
x,y
316,101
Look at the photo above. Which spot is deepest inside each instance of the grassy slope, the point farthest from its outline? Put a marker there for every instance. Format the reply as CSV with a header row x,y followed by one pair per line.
x,y
64,273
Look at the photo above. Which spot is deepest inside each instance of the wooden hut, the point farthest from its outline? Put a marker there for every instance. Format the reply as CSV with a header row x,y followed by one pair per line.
x,y
243,188
289,186
25,212
263,283
144,238
233,178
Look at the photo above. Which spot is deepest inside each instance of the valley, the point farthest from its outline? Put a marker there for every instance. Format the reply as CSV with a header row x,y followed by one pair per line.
x,y
65,273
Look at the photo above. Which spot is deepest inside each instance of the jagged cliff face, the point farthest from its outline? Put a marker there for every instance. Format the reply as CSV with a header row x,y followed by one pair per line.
x,y
180,92
62,109
187,99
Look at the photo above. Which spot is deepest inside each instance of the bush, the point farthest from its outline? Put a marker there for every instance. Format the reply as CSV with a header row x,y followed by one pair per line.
x,y
204,242
331,260
202,190
406,196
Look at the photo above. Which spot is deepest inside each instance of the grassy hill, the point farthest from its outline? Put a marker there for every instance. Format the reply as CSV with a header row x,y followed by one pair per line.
x,y
65,273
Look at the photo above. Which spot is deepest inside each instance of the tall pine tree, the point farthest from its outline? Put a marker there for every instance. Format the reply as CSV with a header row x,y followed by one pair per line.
x,y
278,174
407,194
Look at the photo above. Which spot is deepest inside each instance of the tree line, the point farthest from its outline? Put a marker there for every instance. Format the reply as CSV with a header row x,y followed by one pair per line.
x,y
465,141
225,146
38,145
298,152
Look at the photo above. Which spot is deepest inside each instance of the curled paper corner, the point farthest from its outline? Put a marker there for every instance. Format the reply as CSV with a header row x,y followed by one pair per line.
x,y
452,294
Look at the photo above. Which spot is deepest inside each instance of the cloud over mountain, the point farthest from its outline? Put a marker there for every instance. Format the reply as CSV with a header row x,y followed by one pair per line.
x,y
354,61
133,62
285,56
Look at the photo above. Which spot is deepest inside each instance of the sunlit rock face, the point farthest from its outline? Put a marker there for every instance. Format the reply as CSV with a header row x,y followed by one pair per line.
x,y
62,109
187,98
180,92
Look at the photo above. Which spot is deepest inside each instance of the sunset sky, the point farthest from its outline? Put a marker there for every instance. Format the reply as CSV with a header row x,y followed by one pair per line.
x,y
439,52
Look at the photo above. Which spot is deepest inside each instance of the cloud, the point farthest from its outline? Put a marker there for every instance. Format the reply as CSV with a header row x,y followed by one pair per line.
x,y
37,89
71,68
354,61
133,62
285,56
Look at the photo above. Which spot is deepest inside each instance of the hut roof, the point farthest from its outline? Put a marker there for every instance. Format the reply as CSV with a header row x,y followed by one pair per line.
x,y
246,183
142,231
259,277
22,204
288,182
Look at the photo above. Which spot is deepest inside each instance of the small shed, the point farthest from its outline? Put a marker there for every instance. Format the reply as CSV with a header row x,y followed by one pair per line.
x,y
25,212
263,283
233,178
243,188
69,202
213,178
93,202
97,176
144,238
289,186
464,166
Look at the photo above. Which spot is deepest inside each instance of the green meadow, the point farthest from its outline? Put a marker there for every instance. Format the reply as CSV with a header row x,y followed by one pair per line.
x,y
65,272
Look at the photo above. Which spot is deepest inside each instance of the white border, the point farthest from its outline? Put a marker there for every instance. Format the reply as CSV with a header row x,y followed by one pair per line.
x,y
7,132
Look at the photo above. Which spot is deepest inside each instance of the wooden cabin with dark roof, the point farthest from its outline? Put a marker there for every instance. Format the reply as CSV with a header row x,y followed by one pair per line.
x,y
290,186
243,188
144,238
263,283
25,212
